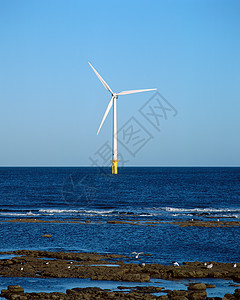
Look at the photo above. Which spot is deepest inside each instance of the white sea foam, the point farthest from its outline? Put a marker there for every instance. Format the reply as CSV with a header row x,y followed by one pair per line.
x,y
99,211
22,214
199,210
74,211
146,215
57,211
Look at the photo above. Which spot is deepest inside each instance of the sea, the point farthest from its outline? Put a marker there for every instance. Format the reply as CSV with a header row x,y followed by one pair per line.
x,y
146,199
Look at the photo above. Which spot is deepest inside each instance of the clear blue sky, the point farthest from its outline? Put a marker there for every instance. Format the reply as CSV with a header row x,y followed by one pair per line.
x,y
52,102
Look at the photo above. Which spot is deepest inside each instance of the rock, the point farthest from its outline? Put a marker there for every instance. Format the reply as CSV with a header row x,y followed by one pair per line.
x,y
56,297
4,293
195,274
216,274
176,293
236,277
197,291
135,277
112,295
7,262
71,292
123,287
47,235
144,278
147,289
229,297
237,291
210,286
34,263
196,286
178,298
14,297
197,295
16,289
234,285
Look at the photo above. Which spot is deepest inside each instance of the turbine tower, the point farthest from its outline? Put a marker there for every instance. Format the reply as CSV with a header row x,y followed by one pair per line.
x,y
113,102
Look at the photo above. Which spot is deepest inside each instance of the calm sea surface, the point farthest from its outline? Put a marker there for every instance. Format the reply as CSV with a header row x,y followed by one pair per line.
x,y
135,194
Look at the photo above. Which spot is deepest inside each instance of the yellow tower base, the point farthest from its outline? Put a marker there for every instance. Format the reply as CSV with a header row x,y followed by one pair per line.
x,y
114,166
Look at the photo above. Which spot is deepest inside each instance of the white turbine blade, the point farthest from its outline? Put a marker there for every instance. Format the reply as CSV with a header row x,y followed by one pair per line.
x,y
101,79
106,113
134,91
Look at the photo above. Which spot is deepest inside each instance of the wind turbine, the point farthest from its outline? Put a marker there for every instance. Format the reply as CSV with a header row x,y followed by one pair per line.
x,y
113,102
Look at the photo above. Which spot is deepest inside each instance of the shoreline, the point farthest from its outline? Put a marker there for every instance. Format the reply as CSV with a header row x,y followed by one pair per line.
x,y
45,264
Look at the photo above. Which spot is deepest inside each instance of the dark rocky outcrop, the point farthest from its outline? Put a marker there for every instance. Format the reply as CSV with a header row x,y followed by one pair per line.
x,y
196,292
44,264
28,263
198,223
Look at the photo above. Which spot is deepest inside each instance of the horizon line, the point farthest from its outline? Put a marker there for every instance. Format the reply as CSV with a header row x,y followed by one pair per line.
x,y
129,166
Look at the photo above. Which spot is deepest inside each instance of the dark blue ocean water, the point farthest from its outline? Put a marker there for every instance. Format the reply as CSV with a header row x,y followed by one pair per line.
x,y
139,194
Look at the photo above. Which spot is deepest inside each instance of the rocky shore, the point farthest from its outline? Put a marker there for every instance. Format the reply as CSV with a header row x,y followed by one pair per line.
x,y
44,264
198,223
195,291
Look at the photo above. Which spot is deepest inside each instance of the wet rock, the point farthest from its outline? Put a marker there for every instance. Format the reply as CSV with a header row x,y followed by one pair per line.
x,y
210,286
14,292
234,285
136,293
124,287
58,268
237,293
197,291
197,295
229,297
71,292
178,295
196,286
4,293
17,289
196,274
6,262
88,289
178,298
148,289
85,265
207,223
236,277
137,277
47,235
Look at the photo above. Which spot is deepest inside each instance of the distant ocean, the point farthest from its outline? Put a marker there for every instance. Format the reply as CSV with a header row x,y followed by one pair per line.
x,y
162,194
